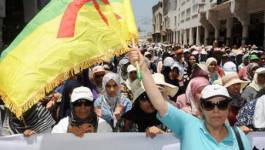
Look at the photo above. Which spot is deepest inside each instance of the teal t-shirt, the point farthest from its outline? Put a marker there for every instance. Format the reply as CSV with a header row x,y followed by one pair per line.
x,y
193,134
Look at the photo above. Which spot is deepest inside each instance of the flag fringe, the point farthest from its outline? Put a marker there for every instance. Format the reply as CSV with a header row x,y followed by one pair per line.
x,y
40,94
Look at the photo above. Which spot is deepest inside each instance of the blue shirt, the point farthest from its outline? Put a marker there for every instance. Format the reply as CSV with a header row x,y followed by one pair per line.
x,y
107,113
193,134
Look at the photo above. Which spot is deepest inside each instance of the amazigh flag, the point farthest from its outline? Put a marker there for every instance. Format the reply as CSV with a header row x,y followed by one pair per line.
x,y
66,37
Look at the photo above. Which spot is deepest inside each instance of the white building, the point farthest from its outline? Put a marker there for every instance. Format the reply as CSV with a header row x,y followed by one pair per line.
x,y
230,22
157,21
181,21
234,22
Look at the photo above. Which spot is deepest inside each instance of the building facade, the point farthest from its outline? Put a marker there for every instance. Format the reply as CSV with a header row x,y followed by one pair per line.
x,y
181,21
157,22
230,22
14,15
235,22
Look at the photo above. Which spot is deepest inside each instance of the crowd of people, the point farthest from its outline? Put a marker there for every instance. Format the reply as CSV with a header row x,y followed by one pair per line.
x,y
180,87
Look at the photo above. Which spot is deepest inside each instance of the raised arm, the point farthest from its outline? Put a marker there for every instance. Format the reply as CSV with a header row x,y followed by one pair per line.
x,y
151,89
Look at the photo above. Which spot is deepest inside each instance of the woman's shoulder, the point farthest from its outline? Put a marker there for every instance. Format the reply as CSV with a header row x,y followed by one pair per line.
x,y
103,125
99,99
62,126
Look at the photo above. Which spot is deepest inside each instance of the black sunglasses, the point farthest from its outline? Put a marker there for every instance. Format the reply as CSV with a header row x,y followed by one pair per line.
x,y
143,97
79,103
208,105
99,76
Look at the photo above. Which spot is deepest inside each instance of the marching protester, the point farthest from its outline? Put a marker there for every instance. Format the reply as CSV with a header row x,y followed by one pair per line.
x,y
111,105
211,129
255,86
213,70
82,118
36,120
234,86
142,115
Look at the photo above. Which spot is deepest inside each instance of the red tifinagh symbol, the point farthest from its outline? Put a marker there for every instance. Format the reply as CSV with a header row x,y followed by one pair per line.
x,y
67,26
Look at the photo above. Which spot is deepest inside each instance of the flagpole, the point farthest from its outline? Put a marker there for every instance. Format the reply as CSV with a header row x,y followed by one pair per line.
x,y
139,74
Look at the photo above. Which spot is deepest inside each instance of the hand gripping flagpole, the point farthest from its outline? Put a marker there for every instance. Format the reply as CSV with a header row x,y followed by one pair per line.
x,y
139,74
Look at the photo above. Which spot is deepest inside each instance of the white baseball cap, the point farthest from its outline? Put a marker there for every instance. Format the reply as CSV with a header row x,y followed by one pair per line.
x,y
211,91
83,93
260,70
168,62
131,68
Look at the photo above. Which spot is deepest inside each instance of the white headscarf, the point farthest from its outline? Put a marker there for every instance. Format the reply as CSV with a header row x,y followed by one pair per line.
x,y
112,101
212,75
210,60
254,84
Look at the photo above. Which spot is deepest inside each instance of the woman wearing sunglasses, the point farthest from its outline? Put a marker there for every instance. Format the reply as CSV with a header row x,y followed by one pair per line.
x,y
83,118
143,114
207,133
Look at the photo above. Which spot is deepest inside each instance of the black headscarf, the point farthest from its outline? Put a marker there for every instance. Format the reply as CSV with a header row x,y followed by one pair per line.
x,y
141,118
91,119
65,103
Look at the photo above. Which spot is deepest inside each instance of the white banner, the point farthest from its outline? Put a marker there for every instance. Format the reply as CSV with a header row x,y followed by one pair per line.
x,y
108,141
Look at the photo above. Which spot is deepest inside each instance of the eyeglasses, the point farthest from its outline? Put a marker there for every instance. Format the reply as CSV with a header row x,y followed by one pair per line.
x,y
208,105
82,102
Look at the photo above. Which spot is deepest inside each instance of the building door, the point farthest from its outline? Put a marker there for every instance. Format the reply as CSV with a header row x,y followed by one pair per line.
x,y
236,37
256,29
14,21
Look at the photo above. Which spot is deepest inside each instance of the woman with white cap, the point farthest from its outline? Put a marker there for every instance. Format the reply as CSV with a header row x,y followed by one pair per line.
x,y
83,118
132,76
207,133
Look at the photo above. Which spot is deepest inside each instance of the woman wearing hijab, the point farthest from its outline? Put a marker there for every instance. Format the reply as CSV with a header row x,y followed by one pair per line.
x,y
199,70
251,68
255,86
215,73
192,61
69,85
111,104
189,102
82,118
142,115
234,87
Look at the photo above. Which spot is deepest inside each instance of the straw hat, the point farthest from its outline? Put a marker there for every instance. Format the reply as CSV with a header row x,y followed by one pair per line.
x,y
137,89
160,80
232,78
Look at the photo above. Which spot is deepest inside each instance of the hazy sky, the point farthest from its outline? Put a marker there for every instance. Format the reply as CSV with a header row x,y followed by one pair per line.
x,y
143,13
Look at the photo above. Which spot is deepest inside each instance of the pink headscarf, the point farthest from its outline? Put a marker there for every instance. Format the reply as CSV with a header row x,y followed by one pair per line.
x,y
189,101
